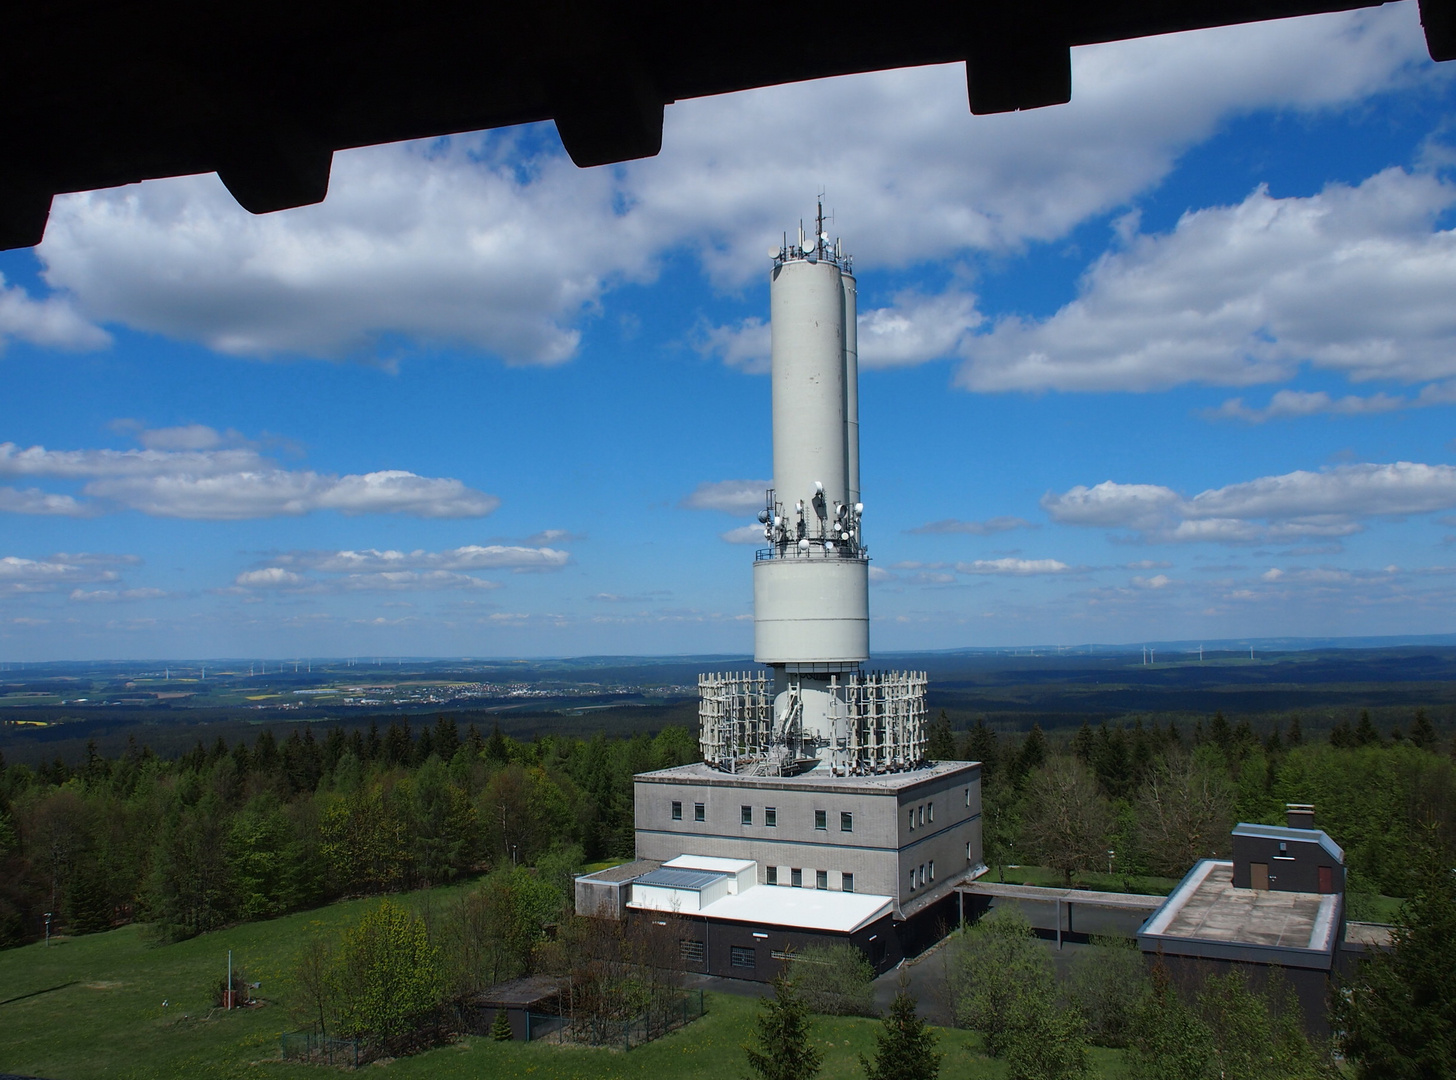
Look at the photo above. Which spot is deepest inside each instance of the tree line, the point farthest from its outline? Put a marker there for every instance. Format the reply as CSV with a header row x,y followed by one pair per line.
x,y
253,829
1151,799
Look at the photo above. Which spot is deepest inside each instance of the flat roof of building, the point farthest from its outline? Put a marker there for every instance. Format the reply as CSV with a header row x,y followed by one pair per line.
x,y
1206,909
819,778
709,862
803,909
1045,895
1283,832
524,991
691,880
624,871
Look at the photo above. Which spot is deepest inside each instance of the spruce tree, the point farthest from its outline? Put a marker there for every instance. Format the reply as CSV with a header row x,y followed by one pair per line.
x,y
940,746
1296,735
905,1047
1365,733
981,745
1033,752
1398,1016
781,1049
1423,732
500,1031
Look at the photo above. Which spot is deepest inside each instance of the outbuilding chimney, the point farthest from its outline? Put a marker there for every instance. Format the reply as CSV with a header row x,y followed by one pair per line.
x,y
1299,815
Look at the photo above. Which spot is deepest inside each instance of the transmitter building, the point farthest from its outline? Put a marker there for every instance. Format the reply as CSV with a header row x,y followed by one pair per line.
x,y
813,814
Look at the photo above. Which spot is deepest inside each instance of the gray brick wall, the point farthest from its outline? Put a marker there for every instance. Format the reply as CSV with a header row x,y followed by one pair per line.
x,y
879,852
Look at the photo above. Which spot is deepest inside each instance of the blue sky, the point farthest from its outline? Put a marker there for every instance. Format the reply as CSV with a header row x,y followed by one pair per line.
x,y
1174,361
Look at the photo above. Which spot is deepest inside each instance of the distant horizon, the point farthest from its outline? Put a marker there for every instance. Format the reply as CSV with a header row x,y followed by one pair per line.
x,y
1181,648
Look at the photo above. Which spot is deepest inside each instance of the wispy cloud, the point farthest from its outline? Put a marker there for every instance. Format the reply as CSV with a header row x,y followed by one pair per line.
x,y
373,570
221,483
1014,567
989,527
1329,503
1288,404
730,496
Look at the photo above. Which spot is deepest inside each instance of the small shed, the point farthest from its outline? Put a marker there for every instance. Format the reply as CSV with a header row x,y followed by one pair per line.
x,y
524,1001
1287,860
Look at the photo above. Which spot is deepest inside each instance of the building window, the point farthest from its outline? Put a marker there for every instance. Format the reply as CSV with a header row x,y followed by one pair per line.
x,y
691,951
677,811
912,817
699,813
846,821
930,812
922,873
796,878
821,879
968,796
770,816
846,882
912,879
968,851
745,815
921,816
773,875
821,820
740,957
932,869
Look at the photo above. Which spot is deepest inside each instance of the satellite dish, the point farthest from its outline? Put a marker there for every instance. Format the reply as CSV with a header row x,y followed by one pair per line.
x,y
808,248
763,516
803,545
774,253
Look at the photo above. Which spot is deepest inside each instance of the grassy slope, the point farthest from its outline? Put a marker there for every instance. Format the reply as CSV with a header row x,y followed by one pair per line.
x,y
106,1019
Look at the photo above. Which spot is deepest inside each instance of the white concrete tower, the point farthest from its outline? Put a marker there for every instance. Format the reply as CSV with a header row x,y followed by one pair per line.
x,y
811,583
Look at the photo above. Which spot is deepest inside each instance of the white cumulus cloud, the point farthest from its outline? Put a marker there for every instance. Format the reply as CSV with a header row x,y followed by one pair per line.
x,y
497,242
1354,280
52,323
222,484
24,575
916,328
1330,503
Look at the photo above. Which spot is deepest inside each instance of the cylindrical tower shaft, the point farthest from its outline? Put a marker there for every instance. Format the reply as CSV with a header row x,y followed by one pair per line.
x,y
807,306
851,387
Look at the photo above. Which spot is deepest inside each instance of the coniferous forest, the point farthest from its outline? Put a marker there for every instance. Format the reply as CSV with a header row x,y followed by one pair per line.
x,y
226,833
248,830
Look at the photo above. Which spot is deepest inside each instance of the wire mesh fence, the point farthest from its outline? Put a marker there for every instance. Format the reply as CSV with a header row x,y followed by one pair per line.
x,y
668,1013
321,1049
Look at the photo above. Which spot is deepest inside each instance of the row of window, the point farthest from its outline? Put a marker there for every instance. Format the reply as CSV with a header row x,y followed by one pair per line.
x,y
921,815
924,874
740,956
796,878
770,816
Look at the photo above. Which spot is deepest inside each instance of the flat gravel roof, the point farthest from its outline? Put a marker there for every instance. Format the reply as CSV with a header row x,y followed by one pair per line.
x,y
1207,907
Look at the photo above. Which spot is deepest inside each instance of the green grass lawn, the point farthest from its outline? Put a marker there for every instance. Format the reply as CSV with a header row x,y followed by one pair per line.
x,y
92,1007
